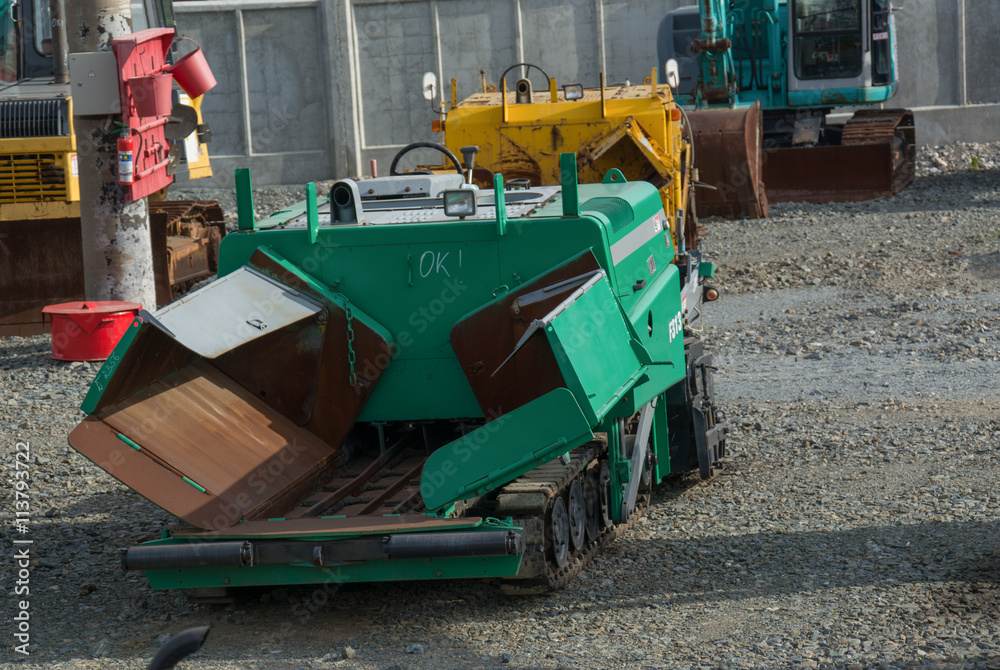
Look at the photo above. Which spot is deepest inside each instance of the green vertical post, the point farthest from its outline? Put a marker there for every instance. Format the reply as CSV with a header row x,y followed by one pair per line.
x,y
568,180
621,469
312,212
501,203
244,201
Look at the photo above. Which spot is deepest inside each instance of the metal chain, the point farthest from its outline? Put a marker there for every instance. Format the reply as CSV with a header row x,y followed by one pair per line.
x,y
353,377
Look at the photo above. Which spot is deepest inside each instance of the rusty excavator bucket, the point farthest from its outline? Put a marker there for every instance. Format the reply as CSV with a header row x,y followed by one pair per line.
x,y
729,158
875,159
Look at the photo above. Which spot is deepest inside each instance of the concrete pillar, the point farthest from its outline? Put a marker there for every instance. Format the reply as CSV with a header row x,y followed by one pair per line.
x,y
117,252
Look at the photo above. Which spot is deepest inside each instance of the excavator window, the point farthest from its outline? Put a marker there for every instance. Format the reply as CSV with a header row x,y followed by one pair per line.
x,y
827,39
882,55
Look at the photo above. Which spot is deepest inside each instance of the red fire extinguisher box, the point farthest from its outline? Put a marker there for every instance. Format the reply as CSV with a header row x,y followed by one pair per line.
x,y
144,86
89,331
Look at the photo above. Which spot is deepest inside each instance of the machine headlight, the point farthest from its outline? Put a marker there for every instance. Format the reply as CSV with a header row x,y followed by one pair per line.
x,y
460,202
573,91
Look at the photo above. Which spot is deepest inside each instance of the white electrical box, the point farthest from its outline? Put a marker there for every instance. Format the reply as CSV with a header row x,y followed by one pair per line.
x,y
94,83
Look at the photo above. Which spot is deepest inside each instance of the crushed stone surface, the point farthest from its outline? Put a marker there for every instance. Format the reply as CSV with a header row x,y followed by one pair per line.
x,y
855,526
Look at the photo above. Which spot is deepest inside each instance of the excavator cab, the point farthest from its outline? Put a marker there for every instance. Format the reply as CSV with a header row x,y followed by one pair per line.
x,y
830,52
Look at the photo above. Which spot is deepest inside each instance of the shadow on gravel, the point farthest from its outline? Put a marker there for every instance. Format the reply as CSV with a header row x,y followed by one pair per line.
x,y
980,188
957,563
985,266
19,353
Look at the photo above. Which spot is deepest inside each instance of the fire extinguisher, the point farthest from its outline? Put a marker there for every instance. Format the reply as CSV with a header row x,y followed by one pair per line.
x,y
126,157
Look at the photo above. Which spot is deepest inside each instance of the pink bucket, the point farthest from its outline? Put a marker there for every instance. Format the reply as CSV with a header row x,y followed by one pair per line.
x,y
192,72
151,94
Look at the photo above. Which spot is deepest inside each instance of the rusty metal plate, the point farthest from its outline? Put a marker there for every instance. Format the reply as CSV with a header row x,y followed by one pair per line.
x,y
829,173
341,402
41,263
485,338
178,263
202,447
280,367
876,159
728,155
187,259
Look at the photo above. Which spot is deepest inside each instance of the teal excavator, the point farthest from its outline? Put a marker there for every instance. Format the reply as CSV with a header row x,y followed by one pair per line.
x,y
788,64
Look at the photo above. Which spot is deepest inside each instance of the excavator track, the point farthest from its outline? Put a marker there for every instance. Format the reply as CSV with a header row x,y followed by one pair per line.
x,y
529,500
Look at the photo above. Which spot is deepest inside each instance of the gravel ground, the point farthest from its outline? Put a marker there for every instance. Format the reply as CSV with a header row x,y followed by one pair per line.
x,y
856,525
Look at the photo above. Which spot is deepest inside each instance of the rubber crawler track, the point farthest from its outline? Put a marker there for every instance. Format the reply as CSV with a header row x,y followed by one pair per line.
x,y
527,500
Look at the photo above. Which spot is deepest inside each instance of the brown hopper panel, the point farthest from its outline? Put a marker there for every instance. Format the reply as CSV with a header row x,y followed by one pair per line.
x,y
486,337
336,403
199,424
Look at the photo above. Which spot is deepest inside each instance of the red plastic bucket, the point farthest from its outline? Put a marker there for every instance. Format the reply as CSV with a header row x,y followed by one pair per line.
x,y
89,331
151,94
192,72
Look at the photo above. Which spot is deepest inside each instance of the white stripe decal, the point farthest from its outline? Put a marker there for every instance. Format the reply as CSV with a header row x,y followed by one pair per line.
x,y
634,241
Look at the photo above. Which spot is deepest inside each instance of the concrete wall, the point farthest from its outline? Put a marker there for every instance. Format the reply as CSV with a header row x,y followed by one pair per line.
x,y
313,89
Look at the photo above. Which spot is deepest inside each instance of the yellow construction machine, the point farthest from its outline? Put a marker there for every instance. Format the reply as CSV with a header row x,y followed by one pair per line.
x,y
40,246
638,129
618,132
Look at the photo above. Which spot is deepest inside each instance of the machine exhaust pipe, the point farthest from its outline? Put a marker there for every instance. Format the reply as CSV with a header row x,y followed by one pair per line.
x,y
523,89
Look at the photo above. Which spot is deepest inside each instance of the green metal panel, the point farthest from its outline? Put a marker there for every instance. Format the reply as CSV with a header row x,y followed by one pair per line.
x,y
413,391
109,366
244,199
640,249
542,241
335,297
365,571
533,246
416,290
591,343
504,449
312,224
661,440
568,179
658,322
